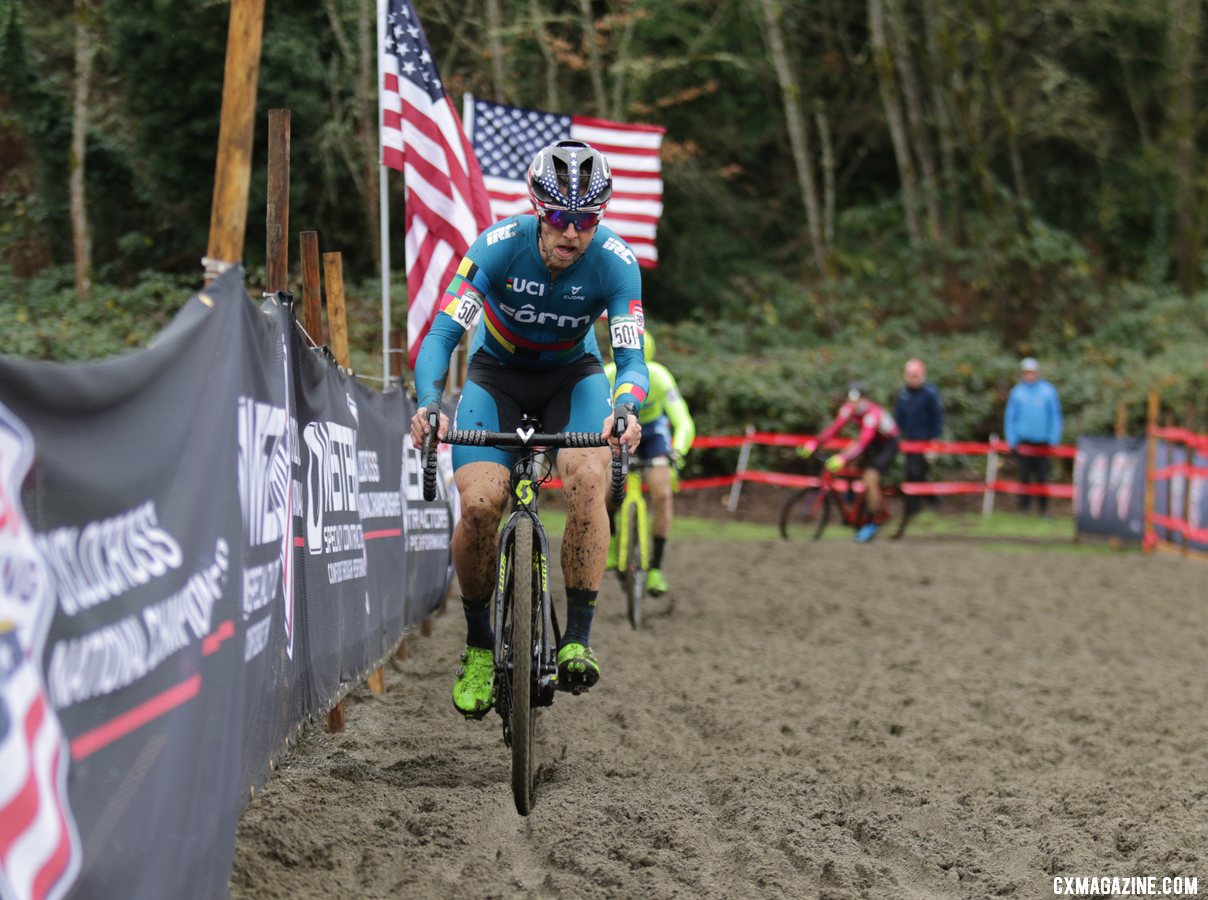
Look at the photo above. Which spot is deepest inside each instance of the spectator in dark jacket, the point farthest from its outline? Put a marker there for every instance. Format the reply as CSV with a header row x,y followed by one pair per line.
x,y
920,418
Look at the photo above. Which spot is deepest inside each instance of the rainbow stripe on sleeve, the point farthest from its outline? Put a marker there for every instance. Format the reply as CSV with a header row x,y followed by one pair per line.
x,y
628,387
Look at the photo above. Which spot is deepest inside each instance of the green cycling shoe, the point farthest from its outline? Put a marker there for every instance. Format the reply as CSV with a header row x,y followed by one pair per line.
x,y
578,668
656,583
474,689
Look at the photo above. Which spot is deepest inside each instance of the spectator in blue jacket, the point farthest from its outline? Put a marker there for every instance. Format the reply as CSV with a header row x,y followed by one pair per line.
x,y
920,418
1032,421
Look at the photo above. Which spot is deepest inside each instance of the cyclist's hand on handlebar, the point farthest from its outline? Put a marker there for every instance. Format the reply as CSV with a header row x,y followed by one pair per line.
x,y
420,427
835,463
678,459
633,431
806,450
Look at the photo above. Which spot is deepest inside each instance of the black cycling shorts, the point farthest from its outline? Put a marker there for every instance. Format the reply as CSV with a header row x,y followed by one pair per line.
x,y
880,455
573,397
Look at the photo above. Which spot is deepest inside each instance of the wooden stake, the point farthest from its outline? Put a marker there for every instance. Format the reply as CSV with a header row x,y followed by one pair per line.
x,y
277,218
333,277
311,292
1121,419
377,680
233,170
403,651
335,718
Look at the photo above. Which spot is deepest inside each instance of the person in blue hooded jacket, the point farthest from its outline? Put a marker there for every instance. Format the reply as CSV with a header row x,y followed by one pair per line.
x,y
1033,422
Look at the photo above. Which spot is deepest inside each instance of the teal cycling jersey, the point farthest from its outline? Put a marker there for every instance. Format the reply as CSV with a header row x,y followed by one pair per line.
x,y
535,319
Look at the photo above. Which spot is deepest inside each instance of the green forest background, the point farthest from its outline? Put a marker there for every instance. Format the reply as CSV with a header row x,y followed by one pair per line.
x,y
848,183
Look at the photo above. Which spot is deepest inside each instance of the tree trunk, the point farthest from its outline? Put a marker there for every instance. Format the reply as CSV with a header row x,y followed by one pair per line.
x,y
827,150
362,156
81,232
915,119
1185,21
798,136
537,12
893,117
367,128
595,65
498,63
620,66
992,50
936,35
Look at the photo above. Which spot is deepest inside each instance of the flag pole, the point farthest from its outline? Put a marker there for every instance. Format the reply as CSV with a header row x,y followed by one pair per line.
x,y
384,202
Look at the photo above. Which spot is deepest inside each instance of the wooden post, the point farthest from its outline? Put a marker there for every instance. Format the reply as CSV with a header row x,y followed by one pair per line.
x,y
311,293
277,218
403,652
1121,419
333,277
335,718
425,627
233,170
1149,539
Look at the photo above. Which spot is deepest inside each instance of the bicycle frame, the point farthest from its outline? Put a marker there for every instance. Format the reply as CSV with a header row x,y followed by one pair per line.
x,y
634,497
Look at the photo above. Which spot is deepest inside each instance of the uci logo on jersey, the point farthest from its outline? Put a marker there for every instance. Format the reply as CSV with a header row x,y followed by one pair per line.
x,y
526,286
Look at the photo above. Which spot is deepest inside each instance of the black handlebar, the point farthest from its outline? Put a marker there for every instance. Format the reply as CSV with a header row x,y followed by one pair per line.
x,y
429,451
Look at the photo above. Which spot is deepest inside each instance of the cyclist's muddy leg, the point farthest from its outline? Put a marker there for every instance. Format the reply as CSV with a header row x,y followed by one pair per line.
x,y
872,491
585,543
658,477
483,489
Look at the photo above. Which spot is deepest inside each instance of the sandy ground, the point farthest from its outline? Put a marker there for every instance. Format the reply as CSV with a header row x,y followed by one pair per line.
x,y
910,719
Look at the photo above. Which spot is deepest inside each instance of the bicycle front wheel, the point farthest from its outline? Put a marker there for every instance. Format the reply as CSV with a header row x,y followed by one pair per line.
x,y
635,575
524,717
804,514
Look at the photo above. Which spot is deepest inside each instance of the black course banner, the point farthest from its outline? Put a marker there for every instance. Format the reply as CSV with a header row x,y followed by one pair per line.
x,y
202,545
1109,486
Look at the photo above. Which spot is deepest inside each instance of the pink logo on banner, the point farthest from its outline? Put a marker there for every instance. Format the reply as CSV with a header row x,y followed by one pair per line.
x,y
39,846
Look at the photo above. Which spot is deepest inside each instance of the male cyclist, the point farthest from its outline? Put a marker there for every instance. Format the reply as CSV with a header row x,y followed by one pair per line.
x,y
667,434
538,282
875,447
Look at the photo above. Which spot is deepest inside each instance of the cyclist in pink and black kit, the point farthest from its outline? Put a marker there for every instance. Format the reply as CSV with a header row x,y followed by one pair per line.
x,y
874,450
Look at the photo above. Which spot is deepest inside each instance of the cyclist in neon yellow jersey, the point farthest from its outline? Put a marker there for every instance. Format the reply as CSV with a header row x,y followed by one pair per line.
x,y
667,435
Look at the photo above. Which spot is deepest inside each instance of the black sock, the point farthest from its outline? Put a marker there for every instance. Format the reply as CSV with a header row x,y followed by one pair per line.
x,y
656,559
580,609
478,623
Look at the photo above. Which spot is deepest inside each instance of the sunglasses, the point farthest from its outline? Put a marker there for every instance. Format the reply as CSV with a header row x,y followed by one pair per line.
x,y
560,218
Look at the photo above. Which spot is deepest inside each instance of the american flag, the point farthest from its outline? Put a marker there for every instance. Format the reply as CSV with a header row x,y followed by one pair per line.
x,y
506,138
39,848
446,201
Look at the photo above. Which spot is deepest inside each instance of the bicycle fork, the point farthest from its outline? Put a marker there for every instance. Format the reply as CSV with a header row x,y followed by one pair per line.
x,y
643,518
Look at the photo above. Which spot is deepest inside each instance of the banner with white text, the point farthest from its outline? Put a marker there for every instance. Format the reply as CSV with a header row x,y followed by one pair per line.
x,y
202,545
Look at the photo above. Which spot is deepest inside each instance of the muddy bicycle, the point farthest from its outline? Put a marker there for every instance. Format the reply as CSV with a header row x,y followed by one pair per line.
x,y
526,626
833,496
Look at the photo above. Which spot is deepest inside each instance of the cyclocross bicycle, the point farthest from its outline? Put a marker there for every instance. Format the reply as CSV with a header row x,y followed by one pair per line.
x,y
808,510
526,628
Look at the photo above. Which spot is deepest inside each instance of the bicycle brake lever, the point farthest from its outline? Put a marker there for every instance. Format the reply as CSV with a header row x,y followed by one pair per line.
x,y
620,464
